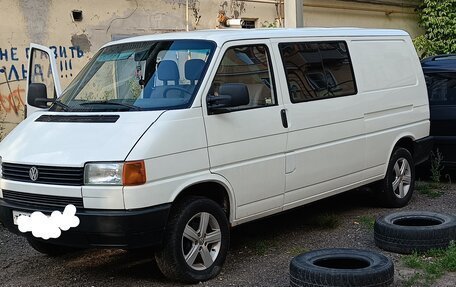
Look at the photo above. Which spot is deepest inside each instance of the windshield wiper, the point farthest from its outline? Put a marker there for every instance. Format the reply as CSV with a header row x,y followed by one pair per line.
x,y
62,105
130,107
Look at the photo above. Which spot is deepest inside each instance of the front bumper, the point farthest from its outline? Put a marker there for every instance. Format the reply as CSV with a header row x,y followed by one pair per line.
x,y
102,228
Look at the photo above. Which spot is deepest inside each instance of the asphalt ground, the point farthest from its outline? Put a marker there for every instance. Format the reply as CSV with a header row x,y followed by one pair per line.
x,y
259,255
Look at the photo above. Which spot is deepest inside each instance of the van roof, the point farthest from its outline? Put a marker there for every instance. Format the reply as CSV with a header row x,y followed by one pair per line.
x,y
221,36
439,63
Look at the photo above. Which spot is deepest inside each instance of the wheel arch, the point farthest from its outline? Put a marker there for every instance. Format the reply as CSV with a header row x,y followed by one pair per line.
x,y
215,188
404,140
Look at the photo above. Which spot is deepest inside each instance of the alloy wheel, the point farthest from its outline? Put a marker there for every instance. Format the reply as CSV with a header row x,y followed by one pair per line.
x,y
201,241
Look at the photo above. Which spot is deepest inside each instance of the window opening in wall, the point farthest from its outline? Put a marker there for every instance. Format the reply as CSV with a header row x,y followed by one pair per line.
x,y
77,15
248,24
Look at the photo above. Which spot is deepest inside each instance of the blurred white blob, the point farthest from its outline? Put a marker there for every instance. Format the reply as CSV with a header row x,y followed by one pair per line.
x,y
46,227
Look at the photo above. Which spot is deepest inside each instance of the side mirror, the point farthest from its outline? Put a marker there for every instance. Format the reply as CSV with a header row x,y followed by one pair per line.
x,y
230,95
37,95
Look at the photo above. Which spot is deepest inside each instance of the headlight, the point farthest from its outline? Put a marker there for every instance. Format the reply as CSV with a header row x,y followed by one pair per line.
x,y
103,173
115,173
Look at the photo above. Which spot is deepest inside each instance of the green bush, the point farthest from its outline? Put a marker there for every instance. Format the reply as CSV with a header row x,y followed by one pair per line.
x,y
438,19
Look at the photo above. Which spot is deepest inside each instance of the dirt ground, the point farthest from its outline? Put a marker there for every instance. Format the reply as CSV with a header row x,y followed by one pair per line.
x,y
259,255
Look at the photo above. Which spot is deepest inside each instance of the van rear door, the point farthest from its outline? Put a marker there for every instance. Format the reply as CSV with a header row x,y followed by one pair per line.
x,y
42,76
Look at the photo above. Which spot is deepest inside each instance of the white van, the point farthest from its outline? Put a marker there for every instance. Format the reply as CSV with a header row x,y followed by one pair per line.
x,y
170,140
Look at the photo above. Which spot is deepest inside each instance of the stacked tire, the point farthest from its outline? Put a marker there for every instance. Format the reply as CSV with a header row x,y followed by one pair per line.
x,y
414,231
341,267
401,232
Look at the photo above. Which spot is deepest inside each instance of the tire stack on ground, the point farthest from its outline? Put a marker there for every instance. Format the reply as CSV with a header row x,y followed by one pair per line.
x,y
409,231
401,232
341,267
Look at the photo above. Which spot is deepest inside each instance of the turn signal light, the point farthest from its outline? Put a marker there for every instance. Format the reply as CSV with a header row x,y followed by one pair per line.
x,y
134,173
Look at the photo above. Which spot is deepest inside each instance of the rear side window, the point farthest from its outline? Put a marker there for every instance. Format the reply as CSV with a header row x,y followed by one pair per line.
x,y
441,88
317,70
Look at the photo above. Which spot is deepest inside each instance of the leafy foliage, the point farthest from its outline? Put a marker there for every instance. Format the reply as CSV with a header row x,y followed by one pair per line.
x,y
430,189
436,165
432,265
367,221
438,19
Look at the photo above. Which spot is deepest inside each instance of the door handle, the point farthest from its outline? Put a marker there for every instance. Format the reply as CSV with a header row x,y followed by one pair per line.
x,y
283,115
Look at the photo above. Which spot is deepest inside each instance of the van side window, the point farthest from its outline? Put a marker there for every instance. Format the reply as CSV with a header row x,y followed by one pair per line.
x,y
248,65
441,88
317,70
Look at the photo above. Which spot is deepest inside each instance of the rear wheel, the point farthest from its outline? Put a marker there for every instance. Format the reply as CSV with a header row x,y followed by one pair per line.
x,y
399,181
196,241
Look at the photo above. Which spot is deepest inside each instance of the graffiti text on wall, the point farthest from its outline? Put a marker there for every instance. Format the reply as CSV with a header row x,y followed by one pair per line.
x,y
12,102
17,72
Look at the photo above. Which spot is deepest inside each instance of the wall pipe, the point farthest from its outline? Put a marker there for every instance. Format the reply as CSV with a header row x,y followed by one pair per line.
x,y
386,3
339,7
186,14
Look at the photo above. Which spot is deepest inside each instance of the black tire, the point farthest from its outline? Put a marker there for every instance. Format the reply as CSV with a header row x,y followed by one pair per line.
x,y
341,267
49,249
189,213
391,196
409,231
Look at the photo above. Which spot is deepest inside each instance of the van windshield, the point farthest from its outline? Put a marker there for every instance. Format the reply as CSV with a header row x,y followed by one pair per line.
x,y
153,75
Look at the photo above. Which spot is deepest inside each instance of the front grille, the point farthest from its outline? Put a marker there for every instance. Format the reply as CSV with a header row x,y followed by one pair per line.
x,y
73,176
40,199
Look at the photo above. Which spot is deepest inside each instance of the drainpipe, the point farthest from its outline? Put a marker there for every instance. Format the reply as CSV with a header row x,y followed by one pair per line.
x,y
186,14
364,9
407,8
293,14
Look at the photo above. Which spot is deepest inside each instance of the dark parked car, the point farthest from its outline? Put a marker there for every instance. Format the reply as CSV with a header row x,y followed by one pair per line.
x,y
440,74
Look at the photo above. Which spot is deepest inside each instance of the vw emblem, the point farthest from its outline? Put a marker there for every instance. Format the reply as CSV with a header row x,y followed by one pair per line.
x,y
33,173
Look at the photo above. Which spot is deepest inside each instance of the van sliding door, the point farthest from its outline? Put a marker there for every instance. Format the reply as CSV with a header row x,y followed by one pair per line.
x,y
325,149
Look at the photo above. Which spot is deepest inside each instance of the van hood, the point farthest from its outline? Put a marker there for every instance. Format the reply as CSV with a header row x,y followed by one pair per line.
x,y
70,139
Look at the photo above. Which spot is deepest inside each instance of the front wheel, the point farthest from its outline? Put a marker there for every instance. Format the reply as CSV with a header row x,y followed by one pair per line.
x,y
196,241
399,181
